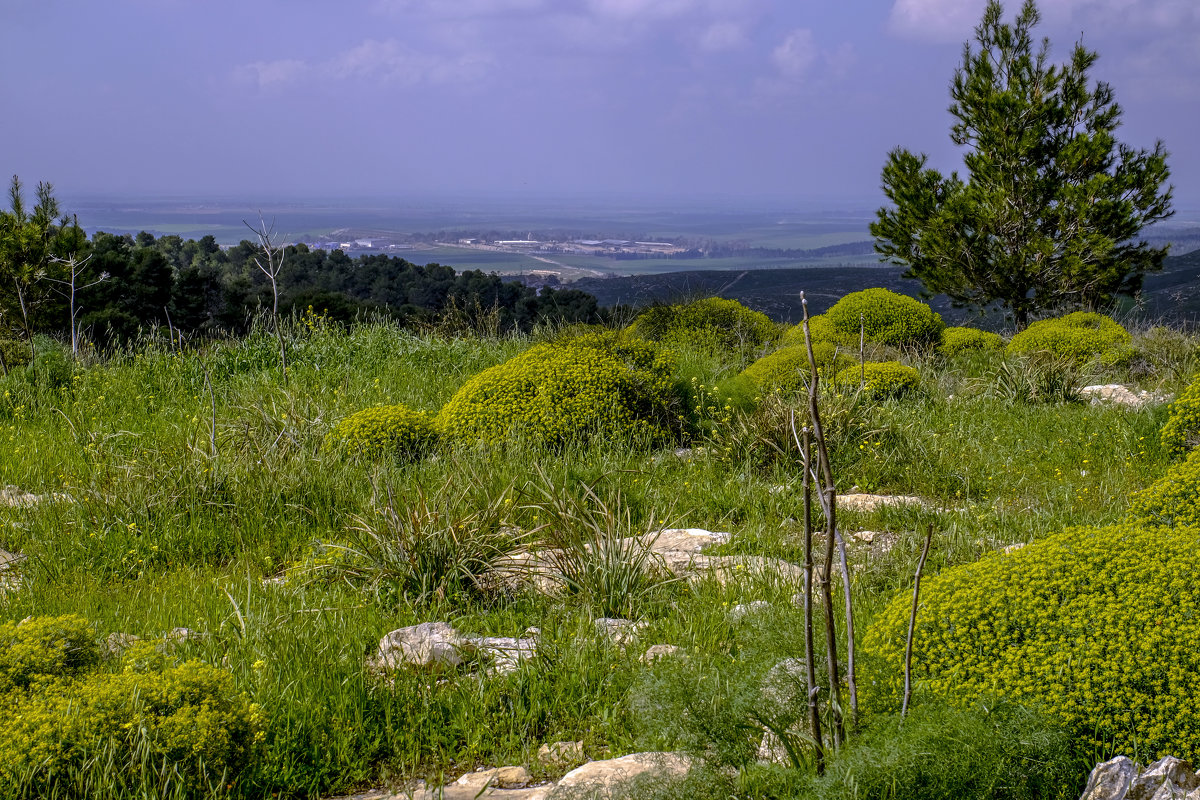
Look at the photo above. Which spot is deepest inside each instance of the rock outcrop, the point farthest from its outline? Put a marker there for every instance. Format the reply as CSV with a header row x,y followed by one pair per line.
x,y
1169,778
1121,395
595,779
437,647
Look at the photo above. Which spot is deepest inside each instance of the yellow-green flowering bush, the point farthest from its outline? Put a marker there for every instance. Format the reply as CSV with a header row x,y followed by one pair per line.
x,y
713,322
151,711
887,318
1173,500
962,340
1097,627
882,379
1181,432
786,369
595,384
43,648
820,329
1079,337
385,430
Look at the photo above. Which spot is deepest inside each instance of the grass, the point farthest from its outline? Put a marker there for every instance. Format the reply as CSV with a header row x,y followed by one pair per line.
x,y
195,493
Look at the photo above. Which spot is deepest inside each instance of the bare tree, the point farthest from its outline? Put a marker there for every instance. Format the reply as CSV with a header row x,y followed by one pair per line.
x,y
75,266
273,254
823,473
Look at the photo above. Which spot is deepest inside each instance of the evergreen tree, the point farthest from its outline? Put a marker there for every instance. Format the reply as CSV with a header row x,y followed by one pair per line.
x,y
1050,212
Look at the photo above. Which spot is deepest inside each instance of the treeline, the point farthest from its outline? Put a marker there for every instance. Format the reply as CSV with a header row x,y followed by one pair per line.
x,y
116,286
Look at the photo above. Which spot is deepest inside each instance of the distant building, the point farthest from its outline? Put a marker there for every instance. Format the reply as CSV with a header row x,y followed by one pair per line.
x,y
367,243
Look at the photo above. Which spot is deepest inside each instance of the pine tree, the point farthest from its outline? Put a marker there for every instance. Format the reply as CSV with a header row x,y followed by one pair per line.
x,y
1050,212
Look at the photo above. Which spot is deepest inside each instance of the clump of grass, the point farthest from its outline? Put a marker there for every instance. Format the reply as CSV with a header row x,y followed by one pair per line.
x,y
427,549
602,556
1036,379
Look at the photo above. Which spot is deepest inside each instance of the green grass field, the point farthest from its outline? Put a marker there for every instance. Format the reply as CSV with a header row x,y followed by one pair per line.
x,y
192,489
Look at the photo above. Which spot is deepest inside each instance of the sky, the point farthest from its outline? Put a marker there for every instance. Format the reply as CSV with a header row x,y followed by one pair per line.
x,y
745,101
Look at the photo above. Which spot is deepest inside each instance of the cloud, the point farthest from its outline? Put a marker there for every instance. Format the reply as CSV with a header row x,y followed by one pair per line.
x,y
269,73
457,8
640,9
796,55
936,20
389,61
955,20
381,61
723,35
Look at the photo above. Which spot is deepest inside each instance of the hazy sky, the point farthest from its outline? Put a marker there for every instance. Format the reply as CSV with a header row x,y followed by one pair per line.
x,y
708,99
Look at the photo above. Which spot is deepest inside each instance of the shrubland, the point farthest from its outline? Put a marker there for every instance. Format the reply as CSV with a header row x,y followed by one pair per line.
x,y
289,525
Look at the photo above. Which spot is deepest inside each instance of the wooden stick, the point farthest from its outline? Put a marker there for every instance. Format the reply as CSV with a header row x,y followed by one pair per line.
x,y
828,495
912,623
810,666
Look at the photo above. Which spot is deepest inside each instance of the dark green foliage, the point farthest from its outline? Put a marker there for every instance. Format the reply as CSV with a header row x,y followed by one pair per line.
x,y
1052,204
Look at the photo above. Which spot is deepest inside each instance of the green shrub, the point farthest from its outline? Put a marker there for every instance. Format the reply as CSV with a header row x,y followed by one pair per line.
x,y
886,318
121,726
786,369
962,340
821,330
14,353
1173,500
1080,337
943,753
44,648
385,430
882,379
1181,432
596,384
713,323
1096,627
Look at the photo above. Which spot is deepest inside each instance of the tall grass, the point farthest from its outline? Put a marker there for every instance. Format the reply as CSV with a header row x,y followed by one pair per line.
x,y
156,529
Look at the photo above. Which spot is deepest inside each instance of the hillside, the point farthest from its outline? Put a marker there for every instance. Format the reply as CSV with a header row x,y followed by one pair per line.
x,y
1172,295
587,546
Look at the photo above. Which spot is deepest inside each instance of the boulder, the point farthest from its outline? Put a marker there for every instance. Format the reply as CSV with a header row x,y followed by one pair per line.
x,y
430,646
498,777
598,779
15,497
618,631
724,569
678,547
505,653
657,651
1168,778
1121,395
560,753
1110,780
867,503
